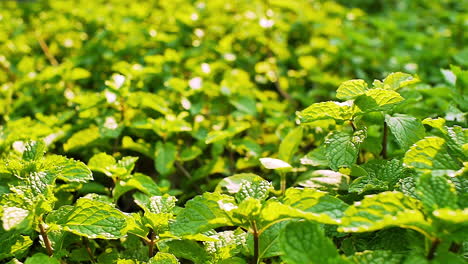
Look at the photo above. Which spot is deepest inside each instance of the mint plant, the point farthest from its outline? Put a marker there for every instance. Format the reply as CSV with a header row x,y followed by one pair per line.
x,y
213,132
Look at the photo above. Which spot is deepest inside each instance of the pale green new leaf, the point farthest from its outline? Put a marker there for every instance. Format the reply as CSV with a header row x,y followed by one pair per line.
x,y
90,218
305,242
351,89
13,217
387,209
406,129
163,258
274,164
165,155
378,100
398,80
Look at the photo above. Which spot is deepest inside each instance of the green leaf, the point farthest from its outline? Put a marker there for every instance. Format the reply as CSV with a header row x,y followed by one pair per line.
x,y
398,80
226,244
385,210
342,148
232,184
139,146
41,258
305,242
102,162
269,244
185,249
378,100
436,192
90,218
203,213
406,129
34,150
382,175
257,189
191,153
351,89
326,110
457,216
377,257
316,202
430,153
13,244
165,155
82,138
230,132
290,144
163,258
138,181
70,170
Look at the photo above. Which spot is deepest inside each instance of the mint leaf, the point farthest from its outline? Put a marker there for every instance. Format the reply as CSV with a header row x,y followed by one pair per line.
x,y
398,80
34,150
290,144
90,218
436,192
163,258
82,138
41,258
165,155
342,148
13,244
203,213
326,110
430,153
406,129
351,89
384,210
305,242
377,257
232,184
378,100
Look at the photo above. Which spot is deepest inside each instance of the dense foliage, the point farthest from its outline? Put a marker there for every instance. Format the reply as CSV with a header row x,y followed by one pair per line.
x,y
233,131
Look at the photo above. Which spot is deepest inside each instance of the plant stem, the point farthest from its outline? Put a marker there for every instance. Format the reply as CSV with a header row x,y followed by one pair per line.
x,y
46,240
255,240
432,250
46,51
151,243
88,249
182,169
455,247
283,182
384,141
352,125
